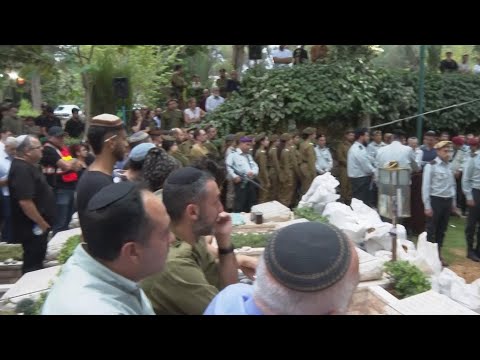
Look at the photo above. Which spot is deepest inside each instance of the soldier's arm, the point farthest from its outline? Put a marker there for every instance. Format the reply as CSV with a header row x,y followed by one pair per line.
x,y
342,155
311,157
427,178
329,161
467,179
365,162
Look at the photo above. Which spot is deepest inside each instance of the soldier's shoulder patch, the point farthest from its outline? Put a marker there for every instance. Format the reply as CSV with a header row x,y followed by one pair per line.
x,y
433,162
360,147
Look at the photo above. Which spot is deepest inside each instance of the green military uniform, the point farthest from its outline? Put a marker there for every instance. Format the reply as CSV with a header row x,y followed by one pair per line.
x,y
178,86
172,119
345,186
185,147
222,86
212,149
261,158
181,158
307,162
188,283
273,171
286,175
295,159
198,151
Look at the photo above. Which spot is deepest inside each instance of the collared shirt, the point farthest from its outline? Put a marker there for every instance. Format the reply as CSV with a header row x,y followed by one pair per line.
x,y
324,161
459,159
396,151
158,122
418,156
86,287
358,161
5,163
438,180
239,164
213,102
282,54
471,176
236,299
188,283
373,147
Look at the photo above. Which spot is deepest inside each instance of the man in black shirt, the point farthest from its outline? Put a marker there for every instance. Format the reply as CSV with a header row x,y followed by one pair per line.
x,y
300,55
233,84
60,169
108,140
48,121
32,202
74,126
448,64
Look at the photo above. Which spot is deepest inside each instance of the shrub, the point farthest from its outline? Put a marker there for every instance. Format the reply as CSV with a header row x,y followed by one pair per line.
x,y
408,280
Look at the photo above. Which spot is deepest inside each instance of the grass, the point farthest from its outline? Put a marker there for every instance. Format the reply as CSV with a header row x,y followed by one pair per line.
x,y
252,240
11,252
454,244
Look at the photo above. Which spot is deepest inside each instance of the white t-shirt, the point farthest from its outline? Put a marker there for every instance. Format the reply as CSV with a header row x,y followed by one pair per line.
x,y
282,55
192,114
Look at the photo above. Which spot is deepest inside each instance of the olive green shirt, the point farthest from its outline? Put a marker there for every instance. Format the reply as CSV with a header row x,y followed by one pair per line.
x,y
172,119
188,283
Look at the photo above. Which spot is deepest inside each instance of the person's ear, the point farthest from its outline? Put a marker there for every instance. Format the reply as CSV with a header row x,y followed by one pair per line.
x,y
131,251
193,212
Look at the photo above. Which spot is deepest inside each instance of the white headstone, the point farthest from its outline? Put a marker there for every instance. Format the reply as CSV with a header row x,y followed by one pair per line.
x,y
273,211
57,242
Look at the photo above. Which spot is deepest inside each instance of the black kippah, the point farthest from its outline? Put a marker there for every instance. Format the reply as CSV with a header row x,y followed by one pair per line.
x,y
308,256
110,194
184,176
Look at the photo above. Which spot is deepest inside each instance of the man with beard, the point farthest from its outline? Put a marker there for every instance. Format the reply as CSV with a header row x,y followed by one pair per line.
x,y
108,139
195,271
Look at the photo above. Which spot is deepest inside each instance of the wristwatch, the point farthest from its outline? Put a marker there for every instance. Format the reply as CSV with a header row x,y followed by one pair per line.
x,y
226,251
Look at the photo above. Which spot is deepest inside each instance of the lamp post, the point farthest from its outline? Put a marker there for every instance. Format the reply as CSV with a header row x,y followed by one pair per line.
x,y
421,83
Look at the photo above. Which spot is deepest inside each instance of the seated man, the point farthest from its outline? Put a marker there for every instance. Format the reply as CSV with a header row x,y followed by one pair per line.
x,y
306,269
195,271
128,235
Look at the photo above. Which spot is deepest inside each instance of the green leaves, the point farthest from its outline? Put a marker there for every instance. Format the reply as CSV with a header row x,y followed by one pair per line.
x,y
68,248
408,280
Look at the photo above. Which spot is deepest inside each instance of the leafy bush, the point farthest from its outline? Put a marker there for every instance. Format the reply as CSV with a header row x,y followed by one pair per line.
x,y
11,252
26,109
72,140
249,239
309,214
68,248
340,94
408,280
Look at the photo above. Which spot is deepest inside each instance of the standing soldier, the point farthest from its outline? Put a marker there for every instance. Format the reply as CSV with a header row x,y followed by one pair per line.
x,y
376,144
209,144
307,159
439,195
295,159
179,86
261,158
172,117
273,167
229,148
458,161
286,175
324,161
359,167
342,152
471,189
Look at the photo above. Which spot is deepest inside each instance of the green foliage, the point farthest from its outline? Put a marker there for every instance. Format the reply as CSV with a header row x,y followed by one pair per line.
x,y
37,307
249,239
408,280
11,252
25,306
72,140
309,214
68,248
338,95
26,109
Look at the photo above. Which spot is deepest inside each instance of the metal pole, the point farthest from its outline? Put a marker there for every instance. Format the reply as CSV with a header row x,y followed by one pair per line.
x,y
124,113
421,82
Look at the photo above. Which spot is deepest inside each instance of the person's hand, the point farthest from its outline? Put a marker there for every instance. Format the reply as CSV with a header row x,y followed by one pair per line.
x,y
223,229
44,226
428,212
470,203
455,211
248,265
237,180
250,174
458,174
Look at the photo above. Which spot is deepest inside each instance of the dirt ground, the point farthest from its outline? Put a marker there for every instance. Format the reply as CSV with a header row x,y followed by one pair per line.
x,y
464,267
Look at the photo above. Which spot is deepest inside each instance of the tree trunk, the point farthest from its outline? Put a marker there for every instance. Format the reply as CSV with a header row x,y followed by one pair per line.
x,y
88,87
238,57
365,121
434,56
36,91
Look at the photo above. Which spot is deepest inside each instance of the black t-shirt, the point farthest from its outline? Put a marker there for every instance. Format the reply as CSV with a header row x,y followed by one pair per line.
x,y
40,120
233,85
48,162
74,128
89,159
448,66
89,184
49,122
300,53
26,181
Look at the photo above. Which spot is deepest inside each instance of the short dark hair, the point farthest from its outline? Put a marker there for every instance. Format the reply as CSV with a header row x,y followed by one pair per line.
x,y
360,132
167,144
218,171
176,197
398,134
196,132
74,110
107,229
98,134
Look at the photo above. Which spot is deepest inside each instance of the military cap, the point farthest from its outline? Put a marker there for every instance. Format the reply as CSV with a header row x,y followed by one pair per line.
x,y
458,140
260,136
106,120
285,137
473,141
273,138
245,139
442,144
239,135
322,256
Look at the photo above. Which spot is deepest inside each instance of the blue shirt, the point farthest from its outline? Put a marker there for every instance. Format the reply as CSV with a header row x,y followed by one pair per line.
x,y
236,299
86,287
428,155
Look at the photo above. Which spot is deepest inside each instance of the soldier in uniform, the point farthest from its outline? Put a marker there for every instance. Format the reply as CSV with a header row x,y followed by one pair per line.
x,y
376,144
471,189
324,161
199,150
169,144
296,161
359,167
342,152
273,167
230,147
209,144
222,83
286,174
261,158
172,117
179,86
307,159
459,158
439,195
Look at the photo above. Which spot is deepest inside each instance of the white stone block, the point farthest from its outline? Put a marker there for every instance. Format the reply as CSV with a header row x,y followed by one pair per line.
x,y
273,211
57,242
